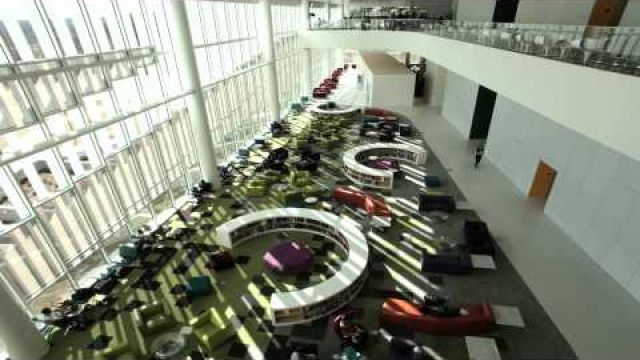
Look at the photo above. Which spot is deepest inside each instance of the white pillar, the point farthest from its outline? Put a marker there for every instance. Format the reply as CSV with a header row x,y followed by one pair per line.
x,y
197,112
18,335
265,32
346,5
306,23
328,11
307,76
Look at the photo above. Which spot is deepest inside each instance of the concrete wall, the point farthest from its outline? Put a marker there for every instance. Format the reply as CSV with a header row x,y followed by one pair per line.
x,y
459,102
570,12
631,16
596,196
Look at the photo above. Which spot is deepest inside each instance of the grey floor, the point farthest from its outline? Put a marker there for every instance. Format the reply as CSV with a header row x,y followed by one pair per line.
x,y
395,274
596,315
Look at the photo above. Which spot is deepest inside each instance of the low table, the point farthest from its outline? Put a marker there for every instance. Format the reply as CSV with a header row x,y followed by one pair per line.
x,y
311,200
169,346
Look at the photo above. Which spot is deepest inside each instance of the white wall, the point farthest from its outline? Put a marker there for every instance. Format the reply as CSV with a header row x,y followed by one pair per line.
x,y
393,90
475,10
570,12
631,16
459,102
596,196
435,84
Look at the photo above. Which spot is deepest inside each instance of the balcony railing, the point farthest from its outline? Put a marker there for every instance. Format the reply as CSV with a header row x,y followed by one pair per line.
x,y
608,48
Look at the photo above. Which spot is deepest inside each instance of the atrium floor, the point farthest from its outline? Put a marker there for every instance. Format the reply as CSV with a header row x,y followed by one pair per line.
x,y
596,315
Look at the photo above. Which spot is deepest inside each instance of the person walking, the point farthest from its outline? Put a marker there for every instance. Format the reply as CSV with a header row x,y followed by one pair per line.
x,y
479,153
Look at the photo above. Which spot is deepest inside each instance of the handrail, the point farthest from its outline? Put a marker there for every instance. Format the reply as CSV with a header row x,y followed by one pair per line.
x,y
614,49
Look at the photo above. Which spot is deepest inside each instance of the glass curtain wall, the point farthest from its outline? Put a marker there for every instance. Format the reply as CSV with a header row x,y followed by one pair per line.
x,y
231,68
95,139
287,20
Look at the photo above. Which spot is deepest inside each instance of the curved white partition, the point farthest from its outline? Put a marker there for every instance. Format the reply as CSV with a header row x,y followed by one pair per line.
x,y
294,307
377,178
348,110
571,95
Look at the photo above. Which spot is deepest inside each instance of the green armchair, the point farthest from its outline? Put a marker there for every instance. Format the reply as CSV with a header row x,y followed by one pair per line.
x,y
256,187
269,176
300,178
153,318
211,331
199,286
119,349
128,251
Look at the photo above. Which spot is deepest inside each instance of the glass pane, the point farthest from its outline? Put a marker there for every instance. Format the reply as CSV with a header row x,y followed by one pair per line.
x,y
66,223
40,176
89,270
69,26
101,204
58,292
126,181
27,262
15,110
79,156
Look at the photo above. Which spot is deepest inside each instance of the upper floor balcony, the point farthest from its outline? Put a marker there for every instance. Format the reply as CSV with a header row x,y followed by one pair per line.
x,y
585,79
608,48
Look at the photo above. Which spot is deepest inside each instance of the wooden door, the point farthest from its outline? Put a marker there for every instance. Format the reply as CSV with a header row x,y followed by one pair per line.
x,y
607,12
542,181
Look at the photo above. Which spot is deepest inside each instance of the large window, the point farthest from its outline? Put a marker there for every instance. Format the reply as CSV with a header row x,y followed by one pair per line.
x,y
95,135
65,66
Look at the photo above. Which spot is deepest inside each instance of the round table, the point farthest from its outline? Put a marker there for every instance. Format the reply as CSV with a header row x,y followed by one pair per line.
x,y
168,346
311,200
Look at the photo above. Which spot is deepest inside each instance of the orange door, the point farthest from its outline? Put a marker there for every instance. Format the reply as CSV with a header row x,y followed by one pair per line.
x,y
543,181
607,12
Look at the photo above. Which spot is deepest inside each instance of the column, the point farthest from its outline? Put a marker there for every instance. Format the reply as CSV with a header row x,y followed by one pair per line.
x,y
265,33
18,335
346,5
197,112
307,75
328,5
407,58
306,23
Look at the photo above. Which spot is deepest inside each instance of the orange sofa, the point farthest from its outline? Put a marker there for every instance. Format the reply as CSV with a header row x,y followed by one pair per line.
x,y
402,312
360,199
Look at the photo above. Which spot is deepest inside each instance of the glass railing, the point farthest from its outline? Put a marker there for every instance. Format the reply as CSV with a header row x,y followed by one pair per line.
x,y
608,48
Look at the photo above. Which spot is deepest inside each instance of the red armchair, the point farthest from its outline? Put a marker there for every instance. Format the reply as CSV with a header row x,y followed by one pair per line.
x,y
320,93
402,312
372,205
379,112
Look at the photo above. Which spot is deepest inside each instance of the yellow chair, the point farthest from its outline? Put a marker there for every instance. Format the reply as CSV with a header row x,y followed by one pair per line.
x,y
153,318
256,187
210,331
